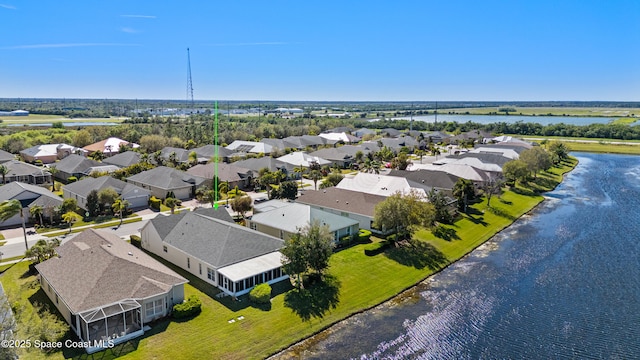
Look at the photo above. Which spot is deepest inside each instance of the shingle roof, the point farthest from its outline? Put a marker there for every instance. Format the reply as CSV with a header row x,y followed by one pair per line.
x,y
42,196
124,159
84,186
17,168
97,268
434,179
209,151
6,156
257,164
216,242
226,172
110,145
166,178
75,164
300,158
342,200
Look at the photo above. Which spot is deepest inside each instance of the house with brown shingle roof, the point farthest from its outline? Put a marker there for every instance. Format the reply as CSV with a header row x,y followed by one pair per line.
x,y
107,289
355,205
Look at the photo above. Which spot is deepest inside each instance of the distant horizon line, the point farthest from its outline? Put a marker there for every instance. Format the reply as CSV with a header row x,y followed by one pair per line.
x,y
319,101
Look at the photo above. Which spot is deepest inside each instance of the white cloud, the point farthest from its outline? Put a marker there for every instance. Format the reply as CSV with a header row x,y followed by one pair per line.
x,y
250,44
67,45
129,30
139,16
10,7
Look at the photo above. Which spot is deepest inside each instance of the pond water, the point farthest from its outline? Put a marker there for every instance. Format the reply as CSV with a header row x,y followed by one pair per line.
x,y
562,282
488,119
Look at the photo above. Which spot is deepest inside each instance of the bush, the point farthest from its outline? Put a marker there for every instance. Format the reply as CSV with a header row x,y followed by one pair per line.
x,y
72,179
377,248
191,307
154,203
364,235
261,294
136,241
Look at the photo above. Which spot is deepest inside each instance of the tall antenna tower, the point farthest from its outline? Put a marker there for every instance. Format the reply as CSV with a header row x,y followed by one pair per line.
x,y
189,82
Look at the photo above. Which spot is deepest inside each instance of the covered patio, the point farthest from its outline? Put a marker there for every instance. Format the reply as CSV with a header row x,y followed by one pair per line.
x,y
116,323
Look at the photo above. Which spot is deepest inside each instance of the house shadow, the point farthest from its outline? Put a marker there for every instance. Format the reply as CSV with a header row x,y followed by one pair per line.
x,y
315,299
243,302
418,254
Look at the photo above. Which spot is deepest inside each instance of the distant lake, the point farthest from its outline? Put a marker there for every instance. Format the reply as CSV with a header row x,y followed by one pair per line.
x,y
560,283
488,119
69,124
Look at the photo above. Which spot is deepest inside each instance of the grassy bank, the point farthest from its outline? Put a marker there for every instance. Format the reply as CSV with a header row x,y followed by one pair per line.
x,y
545,111
603,147
361,280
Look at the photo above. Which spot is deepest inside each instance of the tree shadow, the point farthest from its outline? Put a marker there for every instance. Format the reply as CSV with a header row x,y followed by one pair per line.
x,y
419,254
446,233
506,202
243,302
502,213
521,191
476,220
318,296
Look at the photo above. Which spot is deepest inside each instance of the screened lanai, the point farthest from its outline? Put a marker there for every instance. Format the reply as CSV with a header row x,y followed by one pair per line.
x,y
116,322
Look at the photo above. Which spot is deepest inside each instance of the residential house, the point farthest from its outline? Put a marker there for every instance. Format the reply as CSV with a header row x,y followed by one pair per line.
x,y
285,221
268,162
207,152
106,289
364,131
254,147
50,153
162,180
382,185
460,170
73,165
303,159
229,173
6,156
124,159
340,137
29,196
110,146
135,195
342,156
438,180
228,256
26,173
354,205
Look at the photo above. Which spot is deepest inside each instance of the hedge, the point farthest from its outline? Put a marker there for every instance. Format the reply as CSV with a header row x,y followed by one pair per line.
x,y
364,235
136,241
155,203
261,294
192,306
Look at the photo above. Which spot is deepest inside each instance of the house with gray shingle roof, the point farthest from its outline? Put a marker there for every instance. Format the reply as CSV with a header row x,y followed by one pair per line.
x,y
229,173
135,195
257,164
228,256
107,289
162,180
27,173
29,196
73,165
123,160
6,156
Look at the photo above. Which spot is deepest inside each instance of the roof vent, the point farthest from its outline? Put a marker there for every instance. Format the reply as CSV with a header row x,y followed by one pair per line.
x,y
337,200
347,203
130,253
108,245
324,191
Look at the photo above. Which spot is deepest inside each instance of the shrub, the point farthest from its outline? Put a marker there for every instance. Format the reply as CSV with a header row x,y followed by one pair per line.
x,y
72,179
377,248
136,241
191,307
364,235
154,203
261,294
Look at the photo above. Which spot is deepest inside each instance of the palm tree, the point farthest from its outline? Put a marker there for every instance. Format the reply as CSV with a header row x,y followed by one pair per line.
x,y
300,170
315,175
171,203
3,171
11,208
53,170
69,217
36,210
120,206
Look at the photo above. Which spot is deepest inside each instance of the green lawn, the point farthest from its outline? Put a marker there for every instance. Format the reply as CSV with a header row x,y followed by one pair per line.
x,y
365,280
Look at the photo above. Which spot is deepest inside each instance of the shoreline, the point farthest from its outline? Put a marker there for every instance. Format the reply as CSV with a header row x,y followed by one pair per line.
x,y
293,351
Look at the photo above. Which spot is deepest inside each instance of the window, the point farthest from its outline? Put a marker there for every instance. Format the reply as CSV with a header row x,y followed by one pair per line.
x,y
188,263
268,276
200,268
56,298
211,275
281,234
240,285
153,308
252,225
164,248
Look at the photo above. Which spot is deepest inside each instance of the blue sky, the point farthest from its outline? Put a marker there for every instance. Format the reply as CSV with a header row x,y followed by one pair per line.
x,y
322,50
